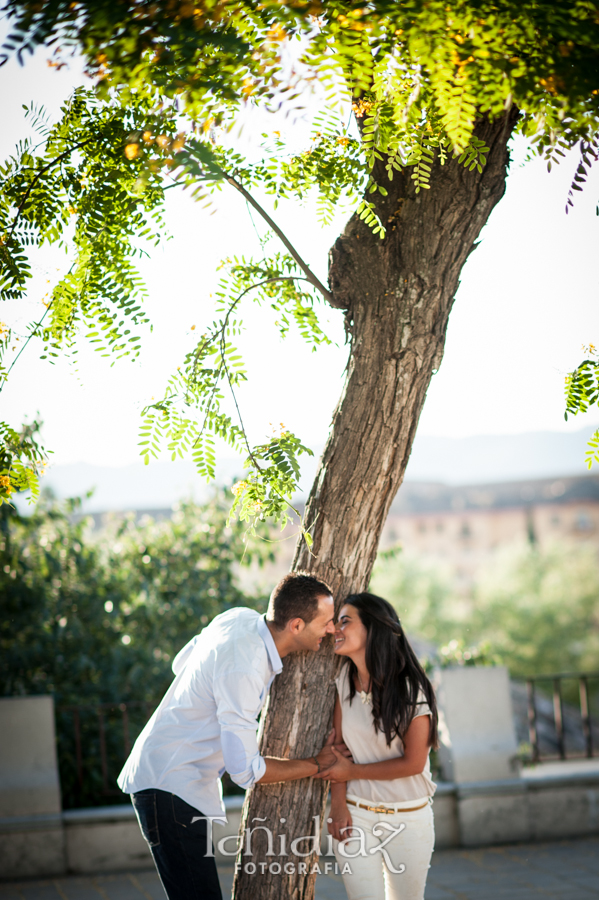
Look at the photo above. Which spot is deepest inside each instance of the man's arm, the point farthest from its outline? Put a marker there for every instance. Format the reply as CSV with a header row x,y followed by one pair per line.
x,y
238,701
278,770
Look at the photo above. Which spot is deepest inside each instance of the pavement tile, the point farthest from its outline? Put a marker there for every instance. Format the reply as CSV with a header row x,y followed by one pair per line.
x,y
435,893
583,880
546,881
461,884
38,890
329,887
495,893
574,894
479,887
587,866
9,893
225,875
465,878
455,885
148,884
566,879
117,887
76,889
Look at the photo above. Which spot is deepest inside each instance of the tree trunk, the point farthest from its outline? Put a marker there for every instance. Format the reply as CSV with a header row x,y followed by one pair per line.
x,y
397,294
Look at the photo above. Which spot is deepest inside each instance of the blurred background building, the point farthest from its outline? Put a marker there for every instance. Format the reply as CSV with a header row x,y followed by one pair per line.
x,y
462,527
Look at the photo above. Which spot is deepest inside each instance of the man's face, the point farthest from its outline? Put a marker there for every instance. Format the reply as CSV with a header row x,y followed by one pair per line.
x,y
323,623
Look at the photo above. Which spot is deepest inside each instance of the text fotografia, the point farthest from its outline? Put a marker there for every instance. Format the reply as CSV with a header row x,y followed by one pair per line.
x,y
290,868
306,845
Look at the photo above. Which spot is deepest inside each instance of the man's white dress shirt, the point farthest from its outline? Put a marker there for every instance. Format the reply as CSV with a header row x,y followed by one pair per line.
x,y
207,721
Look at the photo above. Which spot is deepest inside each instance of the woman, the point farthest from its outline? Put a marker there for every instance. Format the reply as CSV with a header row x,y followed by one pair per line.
x,y
381,815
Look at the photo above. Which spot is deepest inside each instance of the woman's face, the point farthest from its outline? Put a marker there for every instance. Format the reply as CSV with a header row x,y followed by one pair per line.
x,y
351,633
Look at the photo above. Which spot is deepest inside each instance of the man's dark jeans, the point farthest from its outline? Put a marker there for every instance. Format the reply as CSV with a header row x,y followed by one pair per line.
x,y
179,847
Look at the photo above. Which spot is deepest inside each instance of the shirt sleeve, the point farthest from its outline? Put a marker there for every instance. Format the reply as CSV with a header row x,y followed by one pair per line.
x,y
422,707
239,698
182,657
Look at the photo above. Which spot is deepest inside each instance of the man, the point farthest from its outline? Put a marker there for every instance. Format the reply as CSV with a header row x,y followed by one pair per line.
x,y
206,724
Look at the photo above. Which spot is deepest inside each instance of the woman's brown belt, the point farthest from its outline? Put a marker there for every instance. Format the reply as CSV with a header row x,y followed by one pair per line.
x,y
385,809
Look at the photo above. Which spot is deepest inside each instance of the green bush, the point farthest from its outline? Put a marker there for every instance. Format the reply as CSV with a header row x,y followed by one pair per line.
x,y
96,617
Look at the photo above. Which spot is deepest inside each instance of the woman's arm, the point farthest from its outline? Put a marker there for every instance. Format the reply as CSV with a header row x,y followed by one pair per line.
x,y
340,815
416,748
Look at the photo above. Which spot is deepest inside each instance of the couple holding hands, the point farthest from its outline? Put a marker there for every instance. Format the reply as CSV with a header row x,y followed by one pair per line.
x,y
376,758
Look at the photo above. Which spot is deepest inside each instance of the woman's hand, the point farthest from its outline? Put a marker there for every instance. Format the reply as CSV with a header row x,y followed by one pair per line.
x,y
329,753
342,769
340,820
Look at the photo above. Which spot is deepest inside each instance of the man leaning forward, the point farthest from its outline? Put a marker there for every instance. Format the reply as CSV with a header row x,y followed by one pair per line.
x,y
207,724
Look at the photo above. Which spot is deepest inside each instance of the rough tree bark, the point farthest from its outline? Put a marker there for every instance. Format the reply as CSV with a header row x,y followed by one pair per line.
x,y
397,293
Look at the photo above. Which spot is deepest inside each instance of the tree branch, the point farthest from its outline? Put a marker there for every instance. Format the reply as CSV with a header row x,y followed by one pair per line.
x,y
221,333
41,172
310,276
32,333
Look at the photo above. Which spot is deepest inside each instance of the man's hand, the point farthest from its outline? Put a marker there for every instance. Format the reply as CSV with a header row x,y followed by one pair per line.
x,y
279,770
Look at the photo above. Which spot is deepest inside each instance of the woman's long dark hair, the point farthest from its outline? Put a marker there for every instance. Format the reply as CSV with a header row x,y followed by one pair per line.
x,y
396,676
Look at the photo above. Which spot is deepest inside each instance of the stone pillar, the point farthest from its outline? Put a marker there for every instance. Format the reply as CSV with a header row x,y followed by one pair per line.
x,y
31,828
478,753
478,738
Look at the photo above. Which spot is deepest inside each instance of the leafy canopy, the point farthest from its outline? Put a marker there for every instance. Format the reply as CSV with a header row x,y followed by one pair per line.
x,y
399,84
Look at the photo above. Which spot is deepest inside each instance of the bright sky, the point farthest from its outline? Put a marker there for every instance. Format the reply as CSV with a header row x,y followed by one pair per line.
x,y
526,303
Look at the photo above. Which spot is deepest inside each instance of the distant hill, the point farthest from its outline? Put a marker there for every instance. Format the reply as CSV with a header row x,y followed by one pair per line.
x,y
491,458
418,497
484,459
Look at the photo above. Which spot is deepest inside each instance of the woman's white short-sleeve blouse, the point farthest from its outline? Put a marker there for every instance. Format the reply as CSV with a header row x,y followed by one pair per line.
x,y
368,746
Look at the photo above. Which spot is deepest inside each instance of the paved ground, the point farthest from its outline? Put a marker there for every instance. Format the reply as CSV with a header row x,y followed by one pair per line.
x,y
564,870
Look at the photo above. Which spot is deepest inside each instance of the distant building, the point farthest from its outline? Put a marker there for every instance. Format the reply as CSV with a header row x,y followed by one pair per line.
x,y
461,527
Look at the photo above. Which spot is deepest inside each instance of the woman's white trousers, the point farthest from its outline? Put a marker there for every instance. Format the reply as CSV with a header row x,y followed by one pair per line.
x,y
389,856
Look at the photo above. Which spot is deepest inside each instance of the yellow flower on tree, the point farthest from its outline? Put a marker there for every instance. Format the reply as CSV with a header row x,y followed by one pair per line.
x,y
5,483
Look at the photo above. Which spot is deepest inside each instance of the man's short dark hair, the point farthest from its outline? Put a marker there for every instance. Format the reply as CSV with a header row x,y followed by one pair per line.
x,y
296,597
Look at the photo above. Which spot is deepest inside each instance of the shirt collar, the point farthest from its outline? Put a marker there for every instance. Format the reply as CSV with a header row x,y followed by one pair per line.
x,y
273,653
